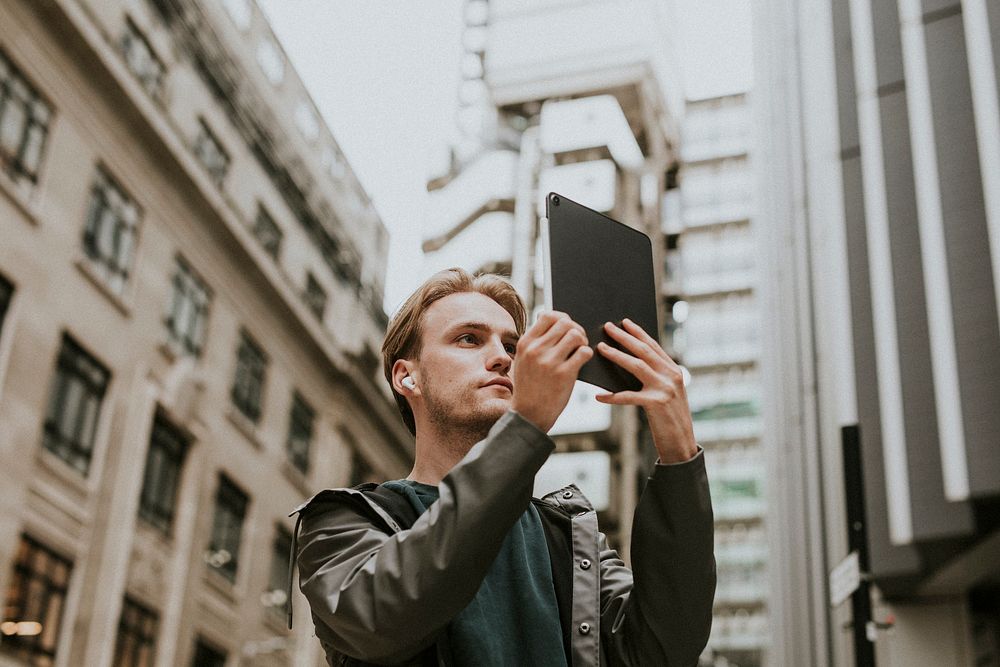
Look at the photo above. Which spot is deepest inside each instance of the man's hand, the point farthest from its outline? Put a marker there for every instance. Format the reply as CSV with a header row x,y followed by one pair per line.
x,y
662,394
549,357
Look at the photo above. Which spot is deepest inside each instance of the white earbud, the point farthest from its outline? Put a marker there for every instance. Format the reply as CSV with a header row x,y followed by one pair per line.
x,y
409,383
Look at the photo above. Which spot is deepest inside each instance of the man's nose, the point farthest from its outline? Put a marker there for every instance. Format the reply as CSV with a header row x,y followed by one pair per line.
x,y
499,359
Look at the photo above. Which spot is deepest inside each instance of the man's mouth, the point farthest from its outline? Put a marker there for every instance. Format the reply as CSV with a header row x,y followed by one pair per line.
x,y
501,382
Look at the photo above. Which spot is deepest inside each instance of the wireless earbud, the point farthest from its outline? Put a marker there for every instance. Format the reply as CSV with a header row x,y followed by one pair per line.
x,y
409,383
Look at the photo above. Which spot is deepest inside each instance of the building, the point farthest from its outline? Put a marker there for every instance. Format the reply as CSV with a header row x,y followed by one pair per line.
x,y
881,135
713,321
588,109
190,318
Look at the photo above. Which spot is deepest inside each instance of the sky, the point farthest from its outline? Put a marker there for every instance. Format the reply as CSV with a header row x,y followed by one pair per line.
x,y
384,74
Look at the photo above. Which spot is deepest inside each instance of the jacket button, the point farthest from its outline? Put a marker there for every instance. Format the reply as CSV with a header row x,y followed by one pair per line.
x,y
585,564
567,494
584,628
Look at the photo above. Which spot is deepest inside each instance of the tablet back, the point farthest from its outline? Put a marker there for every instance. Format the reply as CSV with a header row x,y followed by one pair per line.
x,y
598,270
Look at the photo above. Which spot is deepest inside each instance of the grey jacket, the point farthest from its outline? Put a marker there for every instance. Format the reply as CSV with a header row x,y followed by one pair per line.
x,y
384,594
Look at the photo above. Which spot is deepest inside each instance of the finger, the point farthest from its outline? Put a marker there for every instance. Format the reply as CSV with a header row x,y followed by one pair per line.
x,y
621,398
634,345
545,320
641,334
568,344
555,333
576,360
637,367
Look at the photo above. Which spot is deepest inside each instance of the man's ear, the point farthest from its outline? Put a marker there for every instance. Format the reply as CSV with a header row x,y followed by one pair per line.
x,y
404,368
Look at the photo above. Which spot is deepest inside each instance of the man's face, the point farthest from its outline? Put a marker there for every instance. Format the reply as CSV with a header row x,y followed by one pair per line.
x,y
468,343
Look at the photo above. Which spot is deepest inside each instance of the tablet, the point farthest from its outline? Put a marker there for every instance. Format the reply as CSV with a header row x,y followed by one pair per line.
x,y
598,270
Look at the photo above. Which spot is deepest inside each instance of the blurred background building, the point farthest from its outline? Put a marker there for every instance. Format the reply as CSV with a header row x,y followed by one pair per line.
x,y
584,98
190,317
879,145
579,98
713,324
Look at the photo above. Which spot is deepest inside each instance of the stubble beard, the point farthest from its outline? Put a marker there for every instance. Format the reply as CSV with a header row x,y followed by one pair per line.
x,y
453,416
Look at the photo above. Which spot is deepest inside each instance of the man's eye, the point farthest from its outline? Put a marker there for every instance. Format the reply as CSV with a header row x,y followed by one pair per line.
x,y
511,348
467,338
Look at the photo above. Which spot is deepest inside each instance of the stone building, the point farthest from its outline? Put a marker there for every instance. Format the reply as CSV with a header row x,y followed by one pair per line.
x,y
190,317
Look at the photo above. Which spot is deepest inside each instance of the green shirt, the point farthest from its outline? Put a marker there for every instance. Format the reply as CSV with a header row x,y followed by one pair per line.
x,y
513,619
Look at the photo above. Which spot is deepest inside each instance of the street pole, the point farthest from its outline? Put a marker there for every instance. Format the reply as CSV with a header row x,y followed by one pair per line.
x,y
857,538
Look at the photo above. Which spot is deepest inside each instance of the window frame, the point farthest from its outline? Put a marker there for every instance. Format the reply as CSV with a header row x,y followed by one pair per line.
x,y
301,429
125,218
315,296
281,564
206,137
230,514
55,575
158,499
247,392
36,119
64,446
138,627
133,34
265,223
188,287
198,659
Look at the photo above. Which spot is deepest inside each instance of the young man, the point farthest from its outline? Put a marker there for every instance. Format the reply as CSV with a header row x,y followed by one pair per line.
x,y
457,564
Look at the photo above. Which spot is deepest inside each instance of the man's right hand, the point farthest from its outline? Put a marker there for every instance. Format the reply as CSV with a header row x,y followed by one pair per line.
x,y
548,360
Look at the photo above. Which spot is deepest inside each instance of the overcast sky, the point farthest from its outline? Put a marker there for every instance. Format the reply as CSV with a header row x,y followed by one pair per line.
x,y
384,74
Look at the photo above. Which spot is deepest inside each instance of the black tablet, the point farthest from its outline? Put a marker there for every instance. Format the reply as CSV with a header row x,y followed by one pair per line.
x,y
598,270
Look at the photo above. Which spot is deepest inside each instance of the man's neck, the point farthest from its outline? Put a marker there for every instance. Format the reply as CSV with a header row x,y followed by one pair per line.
x,y
438,451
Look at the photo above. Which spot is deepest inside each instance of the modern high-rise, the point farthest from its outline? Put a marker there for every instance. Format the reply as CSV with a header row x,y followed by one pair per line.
x,y
580,97
190,320
879,145
714,321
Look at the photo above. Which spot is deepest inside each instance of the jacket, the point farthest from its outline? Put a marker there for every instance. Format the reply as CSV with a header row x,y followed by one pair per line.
x,y
383,593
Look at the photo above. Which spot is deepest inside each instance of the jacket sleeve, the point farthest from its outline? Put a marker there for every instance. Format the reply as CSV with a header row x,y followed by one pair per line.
x,y
660,612
384,598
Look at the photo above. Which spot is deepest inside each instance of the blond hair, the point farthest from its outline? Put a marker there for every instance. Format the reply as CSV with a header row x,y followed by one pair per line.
x,y
403,336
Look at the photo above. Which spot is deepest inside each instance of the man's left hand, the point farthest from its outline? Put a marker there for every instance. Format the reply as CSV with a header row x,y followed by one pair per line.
x,y
662,395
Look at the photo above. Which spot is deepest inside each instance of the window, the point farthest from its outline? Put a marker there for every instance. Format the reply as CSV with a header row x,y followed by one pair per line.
x,y
277,596
251,365
36,596
210,153
267,232
24,123
227,528
206,655
300,429
141,59
167,447
6,292
109,235
314,296
188,310
74,405
136,643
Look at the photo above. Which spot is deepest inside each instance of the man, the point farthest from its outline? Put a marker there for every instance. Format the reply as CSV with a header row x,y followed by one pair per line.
x,y
457,564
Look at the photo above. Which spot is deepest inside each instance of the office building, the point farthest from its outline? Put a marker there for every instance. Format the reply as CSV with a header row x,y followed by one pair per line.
x,y
880,136
190,319
713,321
580,98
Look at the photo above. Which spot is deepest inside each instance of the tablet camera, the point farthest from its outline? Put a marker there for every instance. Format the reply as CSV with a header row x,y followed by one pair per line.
x,y
555,200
